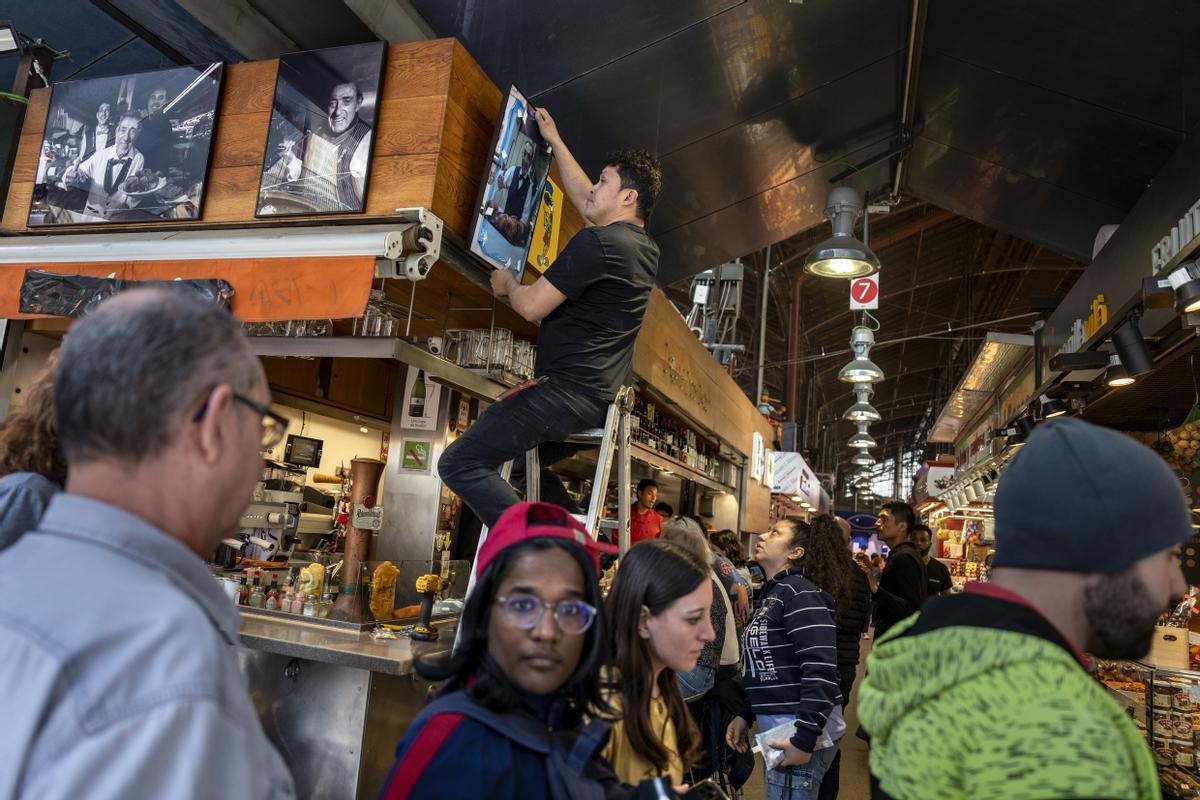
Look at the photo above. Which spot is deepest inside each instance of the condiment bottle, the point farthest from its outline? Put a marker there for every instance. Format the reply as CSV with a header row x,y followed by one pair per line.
x,y
258,598
325,606
310,606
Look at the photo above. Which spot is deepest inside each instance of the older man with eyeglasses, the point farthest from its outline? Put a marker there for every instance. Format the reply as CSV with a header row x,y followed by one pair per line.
x,y
119,677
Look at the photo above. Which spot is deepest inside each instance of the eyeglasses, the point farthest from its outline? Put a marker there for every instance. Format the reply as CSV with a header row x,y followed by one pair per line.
x,y
274,426
571,616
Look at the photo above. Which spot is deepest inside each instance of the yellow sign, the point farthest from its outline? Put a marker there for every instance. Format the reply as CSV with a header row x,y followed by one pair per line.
x,y
543,248
1097,319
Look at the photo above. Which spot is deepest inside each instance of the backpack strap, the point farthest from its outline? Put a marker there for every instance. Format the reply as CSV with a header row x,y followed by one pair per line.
x,y
517,726
590,741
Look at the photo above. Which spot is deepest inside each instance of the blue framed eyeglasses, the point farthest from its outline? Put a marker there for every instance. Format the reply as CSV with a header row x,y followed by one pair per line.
x,y
525,611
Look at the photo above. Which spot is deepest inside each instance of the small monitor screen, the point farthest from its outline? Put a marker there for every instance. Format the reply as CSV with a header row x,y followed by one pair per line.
x,y
303,451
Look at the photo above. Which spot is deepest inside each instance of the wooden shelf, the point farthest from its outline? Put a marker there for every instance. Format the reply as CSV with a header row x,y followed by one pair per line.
x,y
651,457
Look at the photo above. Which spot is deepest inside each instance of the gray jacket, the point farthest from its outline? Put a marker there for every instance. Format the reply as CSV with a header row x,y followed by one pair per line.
x,y
119,677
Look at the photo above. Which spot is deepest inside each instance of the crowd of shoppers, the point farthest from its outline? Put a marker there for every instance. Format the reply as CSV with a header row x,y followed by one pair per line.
x,y
147,434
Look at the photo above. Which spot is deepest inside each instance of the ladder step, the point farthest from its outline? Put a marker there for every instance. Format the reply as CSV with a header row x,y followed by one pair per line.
x,y
593,436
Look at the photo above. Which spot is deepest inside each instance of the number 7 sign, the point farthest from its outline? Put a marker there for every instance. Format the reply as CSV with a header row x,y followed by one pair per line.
x,y
864,293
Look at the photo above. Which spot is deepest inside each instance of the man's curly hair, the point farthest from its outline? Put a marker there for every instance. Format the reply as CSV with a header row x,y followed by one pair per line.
x,y
29,436
639,171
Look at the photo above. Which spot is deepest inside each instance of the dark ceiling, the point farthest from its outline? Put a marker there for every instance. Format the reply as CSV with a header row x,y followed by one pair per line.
x,y
1032,125
946,282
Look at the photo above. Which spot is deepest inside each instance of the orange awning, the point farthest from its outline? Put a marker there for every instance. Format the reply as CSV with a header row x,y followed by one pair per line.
x,y
265,289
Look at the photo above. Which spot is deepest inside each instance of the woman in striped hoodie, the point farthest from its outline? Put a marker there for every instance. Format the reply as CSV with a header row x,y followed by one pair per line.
x,y
789,656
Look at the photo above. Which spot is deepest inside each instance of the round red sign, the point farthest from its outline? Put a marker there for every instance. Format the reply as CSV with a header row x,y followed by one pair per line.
x,y
864,290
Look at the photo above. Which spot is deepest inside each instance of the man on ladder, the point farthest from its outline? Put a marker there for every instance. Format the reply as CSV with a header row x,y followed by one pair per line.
x,y
590,306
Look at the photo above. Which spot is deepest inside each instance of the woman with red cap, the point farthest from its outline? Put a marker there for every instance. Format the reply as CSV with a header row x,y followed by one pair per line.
x,y
510,720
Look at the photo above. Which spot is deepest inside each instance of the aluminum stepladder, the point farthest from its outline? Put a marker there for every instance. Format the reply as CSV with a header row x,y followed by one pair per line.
x,y
613,439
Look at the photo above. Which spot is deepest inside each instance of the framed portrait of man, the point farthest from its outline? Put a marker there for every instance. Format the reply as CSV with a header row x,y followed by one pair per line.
x,y
318,151
130,148
512,188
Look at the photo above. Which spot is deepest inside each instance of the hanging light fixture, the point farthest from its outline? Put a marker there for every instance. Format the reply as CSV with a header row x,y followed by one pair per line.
x,y
1052,408
1185,280
1116,375
863,459
1131,346
862,440
862,411
842,255
861,369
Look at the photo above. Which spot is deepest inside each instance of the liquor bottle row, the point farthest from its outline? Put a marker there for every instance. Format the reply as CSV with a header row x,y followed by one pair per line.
x,y
660,431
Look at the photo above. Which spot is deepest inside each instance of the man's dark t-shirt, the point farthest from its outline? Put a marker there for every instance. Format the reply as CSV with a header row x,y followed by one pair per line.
x,y
606,273
939,577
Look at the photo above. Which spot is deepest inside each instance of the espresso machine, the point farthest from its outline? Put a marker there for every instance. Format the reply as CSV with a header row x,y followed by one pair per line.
x,y
268,527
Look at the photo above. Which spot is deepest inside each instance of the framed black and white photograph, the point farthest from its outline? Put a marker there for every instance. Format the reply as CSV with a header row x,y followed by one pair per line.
x,y
129,148
512,188
318,153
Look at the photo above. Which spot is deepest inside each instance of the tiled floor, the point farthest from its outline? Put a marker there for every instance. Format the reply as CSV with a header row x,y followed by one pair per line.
x,y
855,784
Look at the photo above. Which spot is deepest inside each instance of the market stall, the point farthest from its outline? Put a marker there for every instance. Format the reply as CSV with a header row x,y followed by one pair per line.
x,y
381,343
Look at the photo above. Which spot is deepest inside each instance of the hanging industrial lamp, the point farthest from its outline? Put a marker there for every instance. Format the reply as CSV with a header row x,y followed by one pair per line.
x,y
862,440
861,369
842,255
863,459
1116,375
862,411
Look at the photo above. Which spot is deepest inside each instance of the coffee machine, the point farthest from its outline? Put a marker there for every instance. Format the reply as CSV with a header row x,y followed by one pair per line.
x,y
268,527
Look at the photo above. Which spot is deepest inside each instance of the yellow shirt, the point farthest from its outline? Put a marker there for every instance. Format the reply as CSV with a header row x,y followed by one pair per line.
x,y
631,766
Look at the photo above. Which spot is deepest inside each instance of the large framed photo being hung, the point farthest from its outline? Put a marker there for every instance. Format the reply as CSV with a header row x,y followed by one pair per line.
x,y
512,189
318,151
130,148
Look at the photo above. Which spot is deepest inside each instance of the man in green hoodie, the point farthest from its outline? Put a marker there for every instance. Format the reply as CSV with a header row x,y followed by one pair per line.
x,y
987,694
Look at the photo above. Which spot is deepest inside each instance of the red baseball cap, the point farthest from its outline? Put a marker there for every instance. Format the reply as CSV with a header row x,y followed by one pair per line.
x,y
531,520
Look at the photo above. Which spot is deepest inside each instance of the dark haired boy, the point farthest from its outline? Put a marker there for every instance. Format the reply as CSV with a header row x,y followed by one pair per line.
x,y
590,306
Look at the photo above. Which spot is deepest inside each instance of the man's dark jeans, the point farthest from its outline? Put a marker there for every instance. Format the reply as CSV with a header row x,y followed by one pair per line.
x,y
541,416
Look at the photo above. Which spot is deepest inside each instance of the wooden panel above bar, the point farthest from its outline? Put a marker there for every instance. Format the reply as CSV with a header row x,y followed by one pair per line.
x,y
264,289
404,157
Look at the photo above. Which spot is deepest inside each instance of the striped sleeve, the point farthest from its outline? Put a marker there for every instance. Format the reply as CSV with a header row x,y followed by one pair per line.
x,y
813,635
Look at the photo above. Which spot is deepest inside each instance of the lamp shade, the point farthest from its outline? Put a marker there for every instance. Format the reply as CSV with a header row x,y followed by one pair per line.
x,y
841,256
862,440
1131,347
861,370
1116,375
863,459
862,411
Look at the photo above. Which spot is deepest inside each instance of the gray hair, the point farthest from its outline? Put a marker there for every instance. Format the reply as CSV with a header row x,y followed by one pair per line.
x,y
687,534
131,371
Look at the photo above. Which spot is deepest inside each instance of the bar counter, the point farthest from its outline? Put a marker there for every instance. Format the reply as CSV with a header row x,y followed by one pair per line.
x,y
334,702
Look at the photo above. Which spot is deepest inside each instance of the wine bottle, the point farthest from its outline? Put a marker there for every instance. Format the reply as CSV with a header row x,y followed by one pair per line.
x,y
416,405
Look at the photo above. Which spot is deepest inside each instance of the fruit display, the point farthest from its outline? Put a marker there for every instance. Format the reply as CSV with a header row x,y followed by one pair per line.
x,y
1181,447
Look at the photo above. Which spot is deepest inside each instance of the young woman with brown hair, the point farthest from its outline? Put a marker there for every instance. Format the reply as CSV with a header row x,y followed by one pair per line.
x,y
789,655
658,610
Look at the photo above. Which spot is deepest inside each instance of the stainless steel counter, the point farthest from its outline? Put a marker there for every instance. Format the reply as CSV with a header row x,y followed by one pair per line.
x,y
295,638
335,703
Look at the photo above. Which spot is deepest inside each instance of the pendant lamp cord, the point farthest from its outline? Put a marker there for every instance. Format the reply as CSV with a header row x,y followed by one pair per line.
x,y
866,315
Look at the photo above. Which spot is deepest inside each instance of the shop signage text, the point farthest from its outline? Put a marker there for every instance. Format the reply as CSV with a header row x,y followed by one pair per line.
x,y
1181,234
1083,330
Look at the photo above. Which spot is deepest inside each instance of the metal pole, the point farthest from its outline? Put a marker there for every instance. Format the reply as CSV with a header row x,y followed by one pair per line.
x,y
762,326
1038,355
